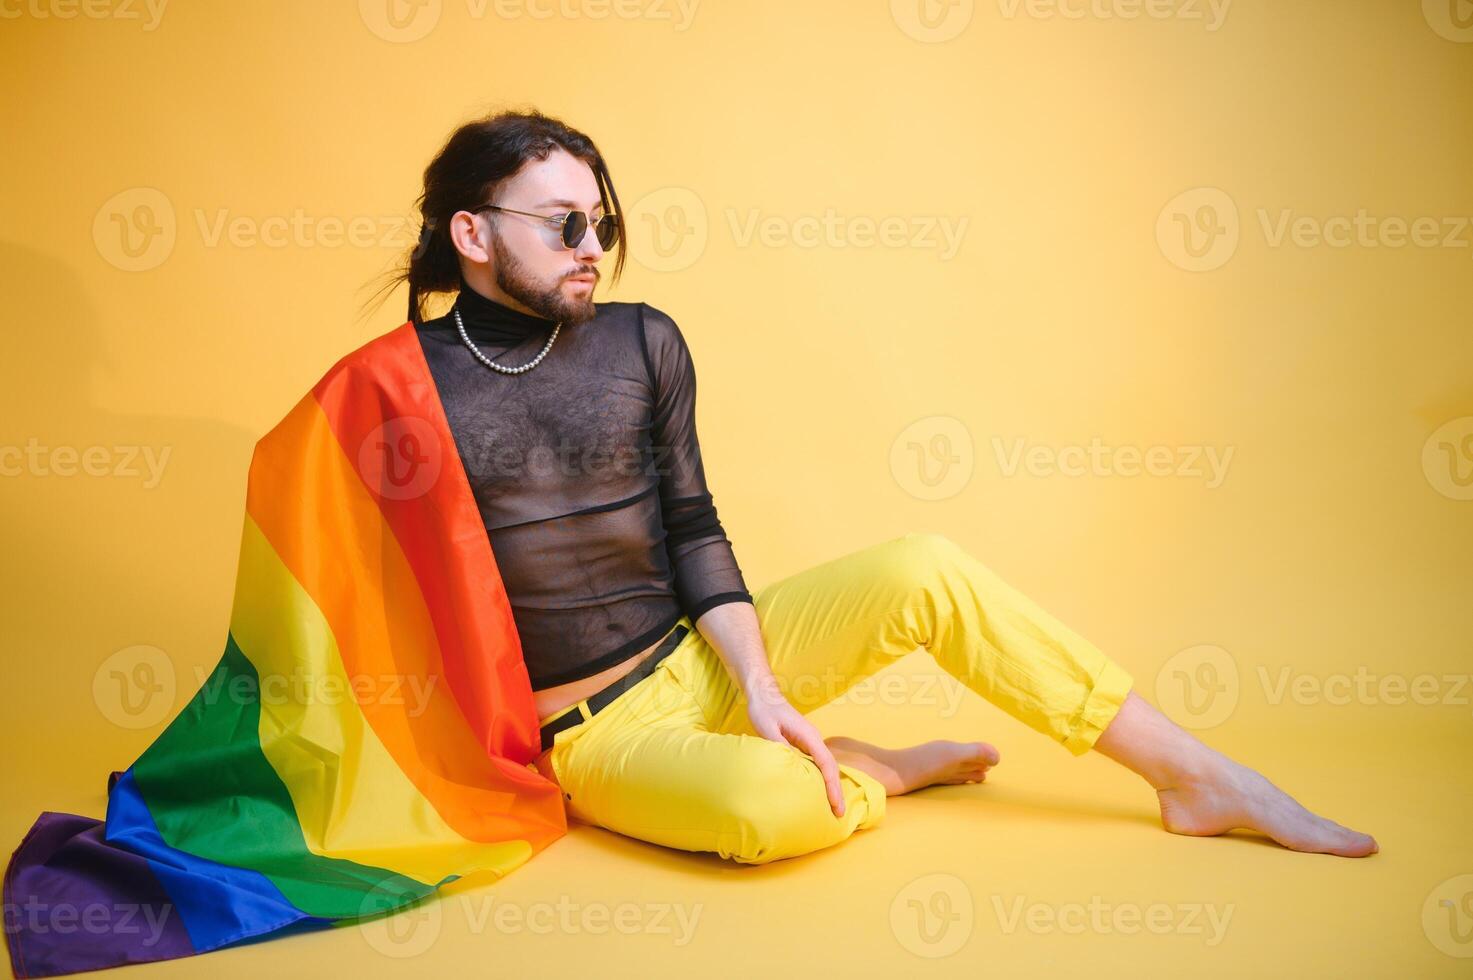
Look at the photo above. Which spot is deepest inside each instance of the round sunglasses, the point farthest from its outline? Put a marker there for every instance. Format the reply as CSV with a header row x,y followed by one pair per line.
x,y
573,225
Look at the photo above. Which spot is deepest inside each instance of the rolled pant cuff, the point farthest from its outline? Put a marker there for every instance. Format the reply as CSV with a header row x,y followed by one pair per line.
x,y
875,797
1104,700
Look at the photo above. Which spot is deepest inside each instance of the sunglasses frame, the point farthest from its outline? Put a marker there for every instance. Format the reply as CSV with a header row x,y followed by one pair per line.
x,y
562,222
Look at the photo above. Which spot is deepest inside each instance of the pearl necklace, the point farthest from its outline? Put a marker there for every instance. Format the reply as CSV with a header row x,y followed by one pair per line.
x,y
501,367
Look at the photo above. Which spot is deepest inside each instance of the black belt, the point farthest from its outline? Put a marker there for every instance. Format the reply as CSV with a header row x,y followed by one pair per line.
x,y
597,702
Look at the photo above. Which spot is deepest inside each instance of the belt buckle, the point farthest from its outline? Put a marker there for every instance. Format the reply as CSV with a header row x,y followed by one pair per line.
x,y
568,719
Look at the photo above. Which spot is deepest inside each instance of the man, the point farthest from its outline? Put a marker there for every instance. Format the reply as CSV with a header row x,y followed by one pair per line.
x,y
673,700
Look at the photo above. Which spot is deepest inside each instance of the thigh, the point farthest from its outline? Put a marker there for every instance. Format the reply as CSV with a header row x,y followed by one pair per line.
x,y
835,624
648,767
830,626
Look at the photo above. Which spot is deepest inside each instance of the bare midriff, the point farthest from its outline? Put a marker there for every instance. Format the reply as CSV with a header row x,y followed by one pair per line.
x,y
551,700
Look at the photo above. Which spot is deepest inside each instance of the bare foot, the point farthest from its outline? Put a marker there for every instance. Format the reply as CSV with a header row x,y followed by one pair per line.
x,y
1228,795
1204,793
915,766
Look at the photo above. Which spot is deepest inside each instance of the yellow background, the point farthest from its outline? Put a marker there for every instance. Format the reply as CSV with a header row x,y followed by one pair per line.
x,y
1064,143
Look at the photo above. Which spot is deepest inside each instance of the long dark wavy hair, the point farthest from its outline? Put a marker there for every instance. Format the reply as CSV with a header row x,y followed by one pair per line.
x,y
465,173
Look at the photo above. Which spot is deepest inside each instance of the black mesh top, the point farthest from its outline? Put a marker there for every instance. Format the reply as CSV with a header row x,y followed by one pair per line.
x,y
588,476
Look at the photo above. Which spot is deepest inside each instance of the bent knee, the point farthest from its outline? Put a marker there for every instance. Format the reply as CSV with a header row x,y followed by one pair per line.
x,y
923,555
777,808
930,543
780,830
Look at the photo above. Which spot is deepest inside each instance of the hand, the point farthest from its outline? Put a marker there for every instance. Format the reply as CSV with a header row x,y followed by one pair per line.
x,y
774,718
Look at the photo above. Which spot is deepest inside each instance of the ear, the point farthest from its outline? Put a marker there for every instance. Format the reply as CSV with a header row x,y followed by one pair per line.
x,y
469,233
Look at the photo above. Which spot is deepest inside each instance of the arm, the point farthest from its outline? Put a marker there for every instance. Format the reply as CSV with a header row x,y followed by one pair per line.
x,y
702,563
707,577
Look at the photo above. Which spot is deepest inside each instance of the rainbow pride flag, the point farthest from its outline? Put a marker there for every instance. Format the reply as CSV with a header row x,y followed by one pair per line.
x,y
367,734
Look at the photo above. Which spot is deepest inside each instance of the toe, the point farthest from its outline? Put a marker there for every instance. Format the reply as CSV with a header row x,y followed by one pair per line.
x,y
986,753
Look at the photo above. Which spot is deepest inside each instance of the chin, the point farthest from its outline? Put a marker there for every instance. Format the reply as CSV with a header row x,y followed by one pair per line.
x,y
583,312
575,311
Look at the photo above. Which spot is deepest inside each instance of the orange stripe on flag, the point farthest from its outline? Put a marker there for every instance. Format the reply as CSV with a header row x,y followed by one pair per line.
x,y
376,610
408,459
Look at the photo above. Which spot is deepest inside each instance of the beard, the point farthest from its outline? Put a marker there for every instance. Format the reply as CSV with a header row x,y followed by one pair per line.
x,y
547,301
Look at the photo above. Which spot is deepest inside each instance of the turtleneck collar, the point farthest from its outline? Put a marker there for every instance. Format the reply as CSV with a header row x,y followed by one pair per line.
x,y
489,322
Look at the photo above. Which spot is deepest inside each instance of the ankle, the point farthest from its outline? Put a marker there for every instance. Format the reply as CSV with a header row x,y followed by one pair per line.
x,y
1152,746
1194,765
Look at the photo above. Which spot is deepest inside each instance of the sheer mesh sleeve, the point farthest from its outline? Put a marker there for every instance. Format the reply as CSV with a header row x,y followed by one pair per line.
x,y
701,557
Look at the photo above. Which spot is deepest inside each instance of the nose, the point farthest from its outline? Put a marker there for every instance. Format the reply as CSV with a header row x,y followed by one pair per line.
x,y
589,250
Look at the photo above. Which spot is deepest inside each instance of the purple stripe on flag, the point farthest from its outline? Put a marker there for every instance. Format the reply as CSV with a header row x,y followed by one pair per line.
x,y
74,902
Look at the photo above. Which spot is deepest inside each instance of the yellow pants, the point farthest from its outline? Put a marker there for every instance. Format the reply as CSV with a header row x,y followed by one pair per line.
x,y
674,760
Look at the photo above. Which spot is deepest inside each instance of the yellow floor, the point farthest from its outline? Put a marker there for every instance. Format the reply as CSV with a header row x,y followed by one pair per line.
x,y
1055,865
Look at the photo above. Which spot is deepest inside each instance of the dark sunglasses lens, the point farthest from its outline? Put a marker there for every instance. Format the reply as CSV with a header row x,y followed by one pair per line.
x,y
574,225
607,230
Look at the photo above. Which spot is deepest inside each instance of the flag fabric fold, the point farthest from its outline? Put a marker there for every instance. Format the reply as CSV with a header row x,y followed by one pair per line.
x,y
366,735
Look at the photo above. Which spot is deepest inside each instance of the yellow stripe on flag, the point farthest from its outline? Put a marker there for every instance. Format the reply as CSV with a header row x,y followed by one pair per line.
x,y
353,802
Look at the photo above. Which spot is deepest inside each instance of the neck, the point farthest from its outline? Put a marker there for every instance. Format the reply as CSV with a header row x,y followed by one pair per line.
x,y
490,320
483,283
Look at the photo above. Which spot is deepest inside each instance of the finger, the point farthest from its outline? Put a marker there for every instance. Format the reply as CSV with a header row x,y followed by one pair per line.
x,y
829,766
811,742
